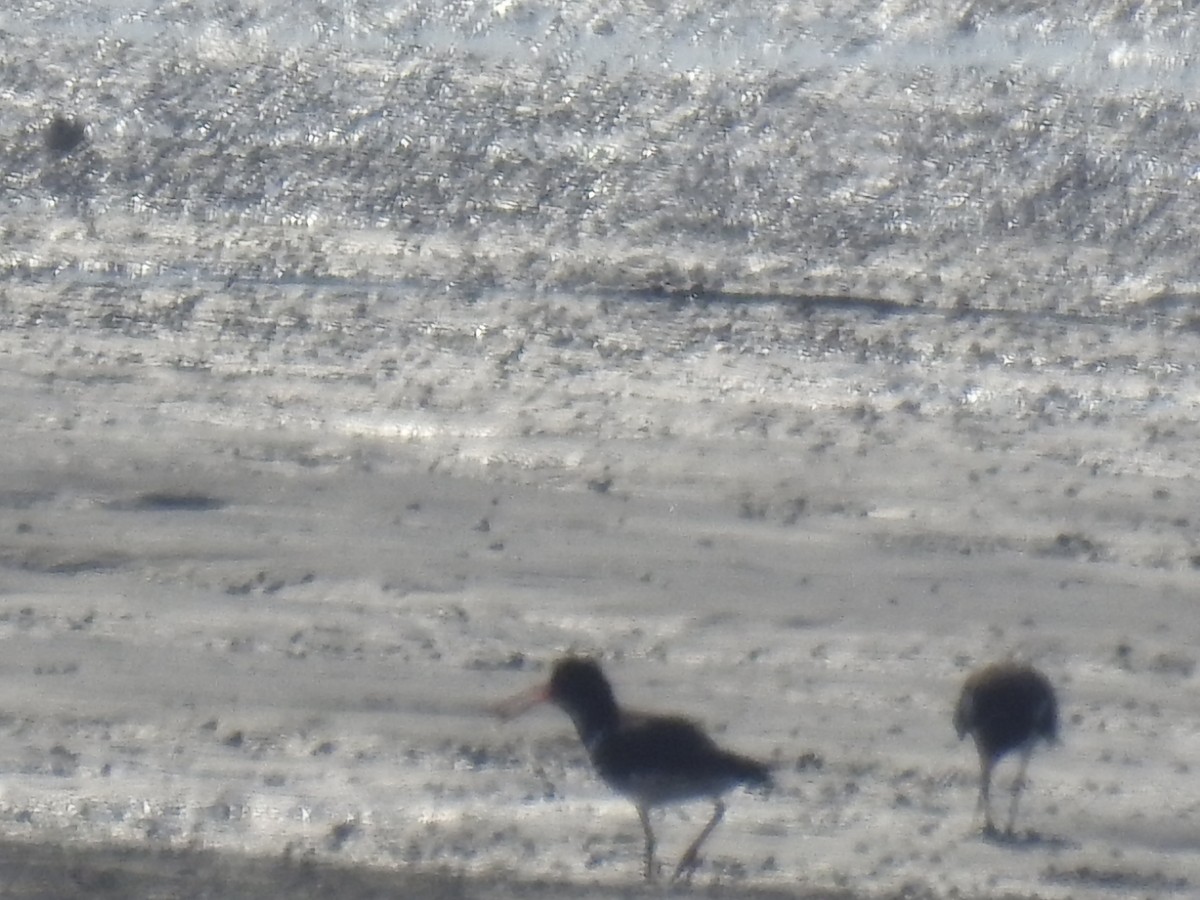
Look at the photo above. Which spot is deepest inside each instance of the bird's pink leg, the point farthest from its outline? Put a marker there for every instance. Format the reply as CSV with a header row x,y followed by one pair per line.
x,y
1018,784
985,793
689,861
644,815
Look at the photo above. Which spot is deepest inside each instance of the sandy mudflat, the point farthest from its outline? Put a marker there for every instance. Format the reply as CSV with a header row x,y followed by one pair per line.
x,y
795,360
258,643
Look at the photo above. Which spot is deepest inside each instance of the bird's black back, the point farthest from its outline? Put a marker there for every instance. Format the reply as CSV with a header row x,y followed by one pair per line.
x,y
1004,706
669,745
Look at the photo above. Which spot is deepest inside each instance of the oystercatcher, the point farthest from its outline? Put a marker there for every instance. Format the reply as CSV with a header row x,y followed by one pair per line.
x,y
654,760
1005,706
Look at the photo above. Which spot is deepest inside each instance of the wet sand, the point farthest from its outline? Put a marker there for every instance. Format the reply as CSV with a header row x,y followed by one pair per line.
x,y
47,871
225,641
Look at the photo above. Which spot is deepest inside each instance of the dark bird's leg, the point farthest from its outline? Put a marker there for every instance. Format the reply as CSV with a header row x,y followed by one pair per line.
x,y
1018,784
688,861
644,815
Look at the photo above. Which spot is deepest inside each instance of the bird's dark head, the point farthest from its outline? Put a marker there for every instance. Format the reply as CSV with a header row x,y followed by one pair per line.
x,y
577,685
577,681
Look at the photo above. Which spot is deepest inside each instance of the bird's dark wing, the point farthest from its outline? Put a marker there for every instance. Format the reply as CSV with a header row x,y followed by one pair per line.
x,y
671,748
670,741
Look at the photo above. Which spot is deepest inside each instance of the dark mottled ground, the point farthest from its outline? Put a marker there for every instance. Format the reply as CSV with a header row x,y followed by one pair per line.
x,y
64,872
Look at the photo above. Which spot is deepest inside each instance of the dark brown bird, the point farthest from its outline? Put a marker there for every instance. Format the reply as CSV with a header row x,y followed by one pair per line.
x,y
1006,707
654,760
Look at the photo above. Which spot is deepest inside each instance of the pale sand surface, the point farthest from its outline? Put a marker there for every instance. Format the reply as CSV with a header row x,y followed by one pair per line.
x,y
244,641
795,360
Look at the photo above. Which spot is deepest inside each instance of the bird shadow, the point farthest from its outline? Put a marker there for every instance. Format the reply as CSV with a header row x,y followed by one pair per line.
x,y
1027,840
